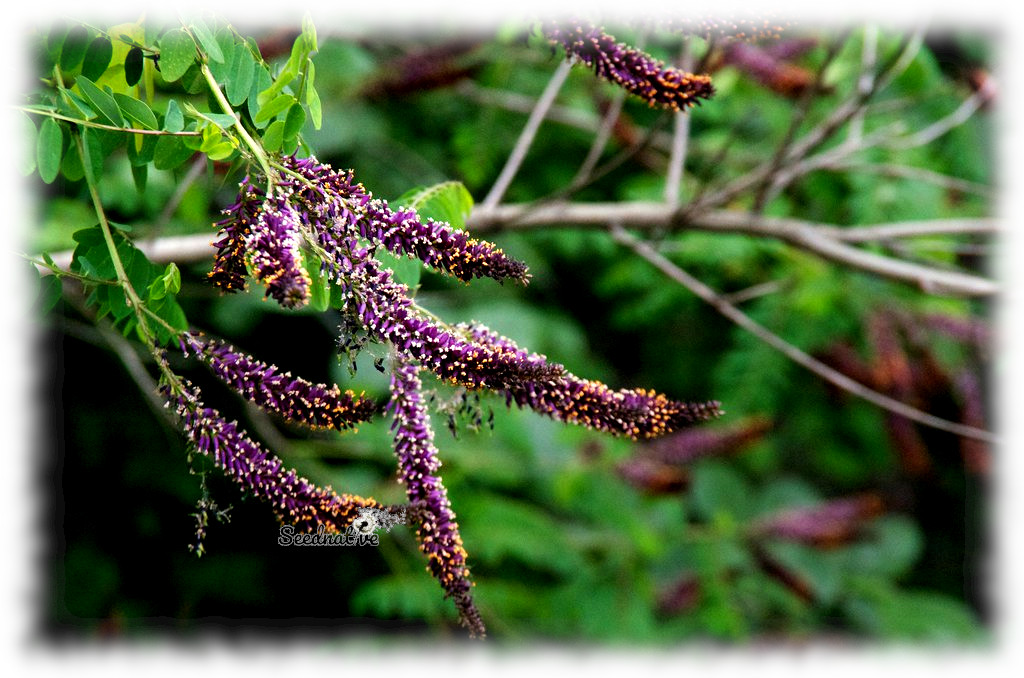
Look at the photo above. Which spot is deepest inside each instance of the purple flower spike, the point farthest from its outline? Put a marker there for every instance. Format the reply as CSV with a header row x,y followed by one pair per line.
x,y
295,399
438,245
632,69
438,533
294,499
637,413
263,236
333,203
273,252
384,309
229,270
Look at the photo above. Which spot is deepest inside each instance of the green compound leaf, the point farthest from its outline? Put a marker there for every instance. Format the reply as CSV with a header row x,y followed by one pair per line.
x,y
221,151
91,257
260,82
71,167
290,145
315,109
140,149
137,110
73,105
133,66
172,314
177,54
299,54
448,201
101,101
309,33
406,270
140,174
97,58
49,149
319,294
167,283
92,163
214,145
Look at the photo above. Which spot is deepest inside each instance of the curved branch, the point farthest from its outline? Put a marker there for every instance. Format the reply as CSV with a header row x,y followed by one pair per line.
x,y
801,358
537,116
821,239
830,242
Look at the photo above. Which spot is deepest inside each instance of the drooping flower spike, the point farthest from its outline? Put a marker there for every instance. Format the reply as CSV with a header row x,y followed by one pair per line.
x,y
475,357
636,413
331,206
295,399
418,464
383,307
294,499
632,69
229,268
273,251
335,203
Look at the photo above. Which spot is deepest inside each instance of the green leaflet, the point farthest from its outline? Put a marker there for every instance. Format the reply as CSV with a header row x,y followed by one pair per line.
x,y
102,101
137,110
133,63
97,58
242,72
207,41
177,54
49,149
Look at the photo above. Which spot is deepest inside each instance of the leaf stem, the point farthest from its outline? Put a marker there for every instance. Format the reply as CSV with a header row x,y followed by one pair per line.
x,y
99,125
254,146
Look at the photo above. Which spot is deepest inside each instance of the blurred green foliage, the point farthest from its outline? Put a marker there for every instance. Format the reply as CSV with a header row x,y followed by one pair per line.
x,y
561,545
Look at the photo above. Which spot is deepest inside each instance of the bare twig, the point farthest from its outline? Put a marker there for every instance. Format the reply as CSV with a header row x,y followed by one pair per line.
x,y
563,115
912,173
515,159
754,292
830,242
680,137
604,132
868,57
958,117
915,229
801,358
521,103
799,116
821,239
802,148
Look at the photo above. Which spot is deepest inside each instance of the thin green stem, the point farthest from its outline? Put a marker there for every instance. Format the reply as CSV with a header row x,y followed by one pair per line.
x,y
122,277
254,146
98,125
61,273
134,301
